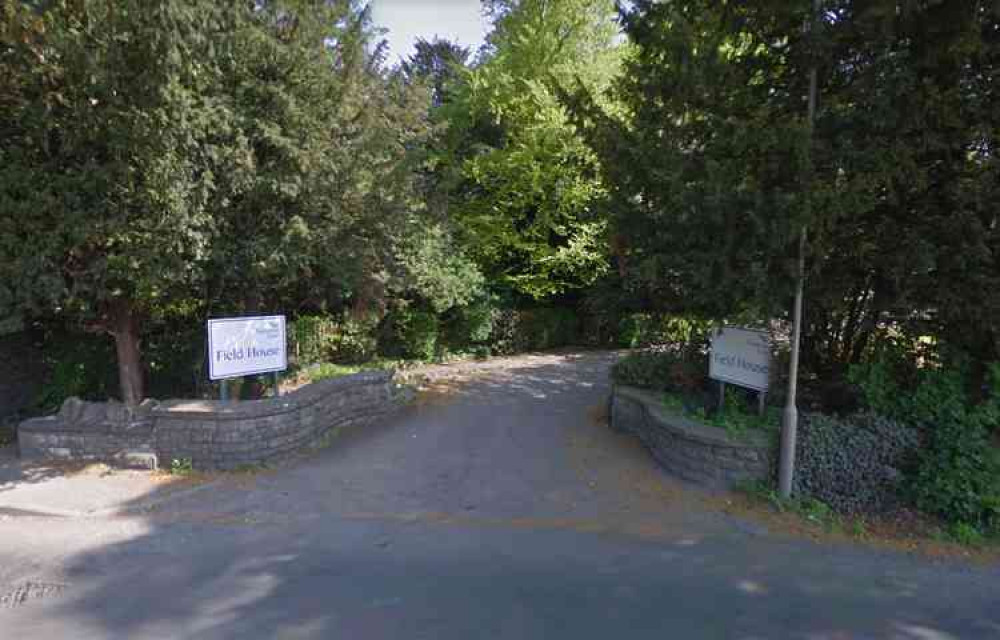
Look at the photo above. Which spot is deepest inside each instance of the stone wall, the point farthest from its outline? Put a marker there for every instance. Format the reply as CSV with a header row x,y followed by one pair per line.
x,y
211,433
701,454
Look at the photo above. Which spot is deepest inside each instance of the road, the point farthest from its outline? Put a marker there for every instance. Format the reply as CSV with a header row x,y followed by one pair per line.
x,y
500,507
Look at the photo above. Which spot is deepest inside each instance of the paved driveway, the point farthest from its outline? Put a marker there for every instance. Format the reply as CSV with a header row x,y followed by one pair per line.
x,y
499,508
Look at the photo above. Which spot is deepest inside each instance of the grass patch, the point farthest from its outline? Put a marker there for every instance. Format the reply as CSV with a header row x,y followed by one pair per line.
x,y
903,530
815,512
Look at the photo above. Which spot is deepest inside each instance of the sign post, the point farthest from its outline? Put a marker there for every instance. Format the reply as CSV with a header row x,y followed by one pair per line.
x,y
246,346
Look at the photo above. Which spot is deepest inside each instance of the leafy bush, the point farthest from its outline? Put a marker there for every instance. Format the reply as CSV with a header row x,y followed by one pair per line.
x,y
957,478
736,416
548,327
330,339
470,326
635,330
505,335
645,369
517,330
174,352
311,339
681,368
412,333
958,471
81,365
645,329
854,464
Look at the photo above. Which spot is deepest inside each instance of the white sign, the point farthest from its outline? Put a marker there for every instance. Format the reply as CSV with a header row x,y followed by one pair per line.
x,y
741,357
245,346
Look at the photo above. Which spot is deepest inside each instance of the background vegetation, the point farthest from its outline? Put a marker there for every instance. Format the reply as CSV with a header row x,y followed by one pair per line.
x,y
594,175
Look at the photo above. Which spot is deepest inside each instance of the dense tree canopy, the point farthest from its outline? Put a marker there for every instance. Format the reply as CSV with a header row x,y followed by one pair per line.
x,y
714,170
188,158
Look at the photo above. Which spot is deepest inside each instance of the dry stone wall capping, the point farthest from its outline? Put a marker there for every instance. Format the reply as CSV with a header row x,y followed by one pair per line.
x,y
698,453
211,433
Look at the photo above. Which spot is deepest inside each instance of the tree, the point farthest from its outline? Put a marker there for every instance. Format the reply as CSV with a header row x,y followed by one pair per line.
x,y
213,157
438,62
712,174
528,189
112,141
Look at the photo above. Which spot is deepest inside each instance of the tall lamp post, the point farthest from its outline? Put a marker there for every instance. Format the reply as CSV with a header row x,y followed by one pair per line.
x,y
790,416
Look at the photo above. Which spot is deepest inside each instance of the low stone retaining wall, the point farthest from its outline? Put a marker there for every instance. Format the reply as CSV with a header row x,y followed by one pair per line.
x,y
211,433
701,454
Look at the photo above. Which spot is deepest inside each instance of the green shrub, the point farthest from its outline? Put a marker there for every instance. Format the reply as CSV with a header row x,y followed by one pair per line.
x,y
854,464
470,326
737,416
312,339
645,369
81,365
645,329
505,337
317,339
356,341
181,466
412,333
635,330
547,328
518,330
957,474
957,478
681,369
174,354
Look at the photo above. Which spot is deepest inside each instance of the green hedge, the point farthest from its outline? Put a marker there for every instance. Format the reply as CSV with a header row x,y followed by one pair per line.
x,y
314,339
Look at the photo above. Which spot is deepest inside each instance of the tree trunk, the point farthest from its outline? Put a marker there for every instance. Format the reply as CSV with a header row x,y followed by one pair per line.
x,y
124,328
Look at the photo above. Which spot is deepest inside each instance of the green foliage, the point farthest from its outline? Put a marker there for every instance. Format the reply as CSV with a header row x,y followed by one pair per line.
x,y
736,415
548,327
633,330
181,467
523,185
437,270
537,328
412,333
79,365
311,339
327,370
812,510
958,477
646,329
854,464
471,325
958,471
879,387
713,170
646,369
316,339
207,155
680,368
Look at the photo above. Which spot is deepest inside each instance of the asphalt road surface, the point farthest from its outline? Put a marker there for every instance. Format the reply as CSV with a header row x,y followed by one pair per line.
x,y
501,507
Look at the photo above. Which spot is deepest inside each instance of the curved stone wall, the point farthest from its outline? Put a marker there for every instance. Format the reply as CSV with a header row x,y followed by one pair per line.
x,y
212,434
701,454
